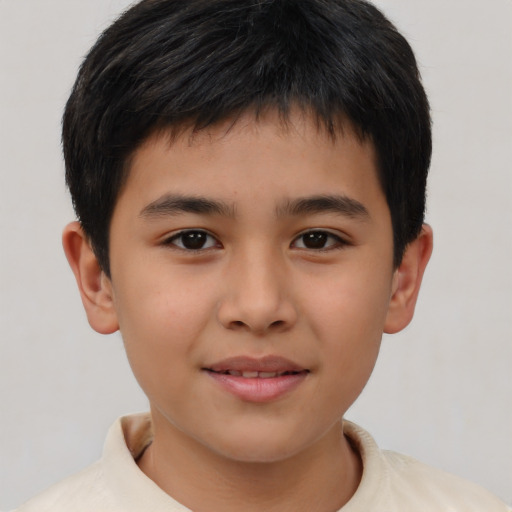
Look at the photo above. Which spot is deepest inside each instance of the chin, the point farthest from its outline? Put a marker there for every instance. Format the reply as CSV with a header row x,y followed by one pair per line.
x,y
261,446
259,454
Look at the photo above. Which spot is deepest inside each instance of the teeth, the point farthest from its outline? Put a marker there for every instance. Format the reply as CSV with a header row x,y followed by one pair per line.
x,y
249,375
267,375
256,375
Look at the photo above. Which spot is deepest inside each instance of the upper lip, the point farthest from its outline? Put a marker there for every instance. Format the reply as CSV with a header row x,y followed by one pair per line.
x,y
254,364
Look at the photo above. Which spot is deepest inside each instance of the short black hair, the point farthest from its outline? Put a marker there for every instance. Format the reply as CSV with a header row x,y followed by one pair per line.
x,y
165,64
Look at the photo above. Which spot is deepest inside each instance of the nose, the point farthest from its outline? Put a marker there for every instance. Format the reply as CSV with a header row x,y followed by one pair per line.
x,y
258,295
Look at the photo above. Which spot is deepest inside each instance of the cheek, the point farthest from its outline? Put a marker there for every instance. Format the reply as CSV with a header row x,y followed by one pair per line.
x,y
351,306
351,341
161,321
347,319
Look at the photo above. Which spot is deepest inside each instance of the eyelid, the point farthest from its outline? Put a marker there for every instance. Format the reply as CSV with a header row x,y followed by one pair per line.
x,y
169,240
340,240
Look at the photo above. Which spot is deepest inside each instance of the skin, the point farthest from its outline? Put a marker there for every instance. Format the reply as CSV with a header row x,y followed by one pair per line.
x,y
260,285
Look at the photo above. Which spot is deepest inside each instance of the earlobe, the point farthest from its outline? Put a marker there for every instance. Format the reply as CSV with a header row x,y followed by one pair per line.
x,y
94,286
407,281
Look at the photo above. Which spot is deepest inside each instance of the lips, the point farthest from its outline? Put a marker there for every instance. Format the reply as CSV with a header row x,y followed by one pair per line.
x,y
257,379
256,375
250,367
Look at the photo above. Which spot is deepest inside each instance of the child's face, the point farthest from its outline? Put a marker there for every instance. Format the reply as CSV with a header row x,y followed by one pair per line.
x,y
223,259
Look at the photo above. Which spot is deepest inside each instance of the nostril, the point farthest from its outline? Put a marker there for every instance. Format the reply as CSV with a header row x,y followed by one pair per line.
x,y
239,324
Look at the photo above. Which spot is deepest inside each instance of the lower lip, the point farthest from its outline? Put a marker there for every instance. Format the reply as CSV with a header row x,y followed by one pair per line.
x,y
258,389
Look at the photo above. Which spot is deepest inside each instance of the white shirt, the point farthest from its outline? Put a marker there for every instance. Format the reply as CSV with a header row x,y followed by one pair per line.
x,y
390,482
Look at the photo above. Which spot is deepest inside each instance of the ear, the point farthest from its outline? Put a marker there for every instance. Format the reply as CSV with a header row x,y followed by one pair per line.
x,y
407,281
95,287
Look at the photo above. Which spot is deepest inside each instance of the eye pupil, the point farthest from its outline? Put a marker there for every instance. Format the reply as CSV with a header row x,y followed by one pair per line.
x,y
193,240
315,240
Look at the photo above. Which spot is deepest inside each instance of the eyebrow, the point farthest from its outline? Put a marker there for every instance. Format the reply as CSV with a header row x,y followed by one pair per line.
x,y
170,204
337,204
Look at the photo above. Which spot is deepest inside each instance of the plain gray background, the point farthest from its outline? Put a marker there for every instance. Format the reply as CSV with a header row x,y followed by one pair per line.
x,y
442,390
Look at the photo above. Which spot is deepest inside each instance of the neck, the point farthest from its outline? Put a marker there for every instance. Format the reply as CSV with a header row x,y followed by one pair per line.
x,y
323,478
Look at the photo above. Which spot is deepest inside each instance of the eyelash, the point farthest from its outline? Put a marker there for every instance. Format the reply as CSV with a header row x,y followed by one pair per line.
x,y
198,232
337,241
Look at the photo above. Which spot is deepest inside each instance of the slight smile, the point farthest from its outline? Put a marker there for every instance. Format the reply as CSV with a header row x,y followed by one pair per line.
x,y
257,380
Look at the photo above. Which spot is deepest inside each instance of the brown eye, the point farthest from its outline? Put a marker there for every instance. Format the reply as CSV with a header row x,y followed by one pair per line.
x,y
193,240
317,240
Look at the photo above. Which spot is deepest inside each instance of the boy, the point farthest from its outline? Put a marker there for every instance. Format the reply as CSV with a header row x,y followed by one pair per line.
x,y
249,179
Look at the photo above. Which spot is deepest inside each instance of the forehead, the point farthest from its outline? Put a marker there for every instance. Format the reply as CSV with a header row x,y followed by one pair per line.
x,y
283,157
